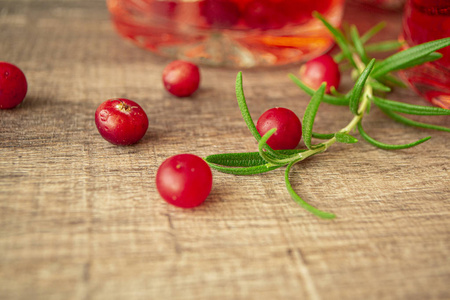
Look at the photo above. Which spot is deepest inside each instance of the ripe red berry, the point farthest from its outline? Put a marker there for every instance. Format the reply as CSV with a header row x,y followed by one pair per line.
x,y
220,13
184,180
181,78
264,15
320,69
13,85
289,128
121,121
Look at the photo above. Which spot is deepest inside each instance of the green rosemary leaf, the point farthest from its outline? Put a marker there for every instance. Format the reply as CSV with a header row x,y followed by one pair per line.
x,y
384,46
410,109
346,138
372,32
310,115
244,109
244,171
388,78
339,38
248,159
246,114
359,47
322,136
410,122
300,201
245,159
376,85
359,86
326,98
336,93
421,60
291,151
406,57
388,146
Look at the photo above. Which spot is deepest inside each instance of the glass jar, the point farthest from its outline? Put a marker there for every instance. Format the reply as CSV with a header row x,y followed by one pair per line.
x,y
423,21
230,33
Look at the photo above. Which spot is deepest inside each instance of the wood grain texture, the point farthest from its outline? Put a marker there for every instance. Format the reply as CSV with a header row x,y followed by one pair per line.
x,y
81,218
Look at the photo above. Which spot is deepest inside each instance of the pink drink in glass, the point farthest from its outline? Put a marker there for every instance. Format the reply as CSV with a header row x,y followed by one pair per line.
x,y
423,21
232,33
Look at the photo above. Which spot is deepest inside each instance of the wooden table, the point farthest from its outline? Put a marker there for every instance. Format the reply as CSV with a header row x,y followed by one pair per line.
x,y
81,218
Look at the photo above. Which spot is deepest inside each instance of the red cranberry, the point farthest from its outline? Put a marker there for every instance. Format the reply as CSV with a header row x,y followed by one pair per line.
x,y
181,78
13,85
264,15
320,69
121,121
300,11
288,125
184,180
220,13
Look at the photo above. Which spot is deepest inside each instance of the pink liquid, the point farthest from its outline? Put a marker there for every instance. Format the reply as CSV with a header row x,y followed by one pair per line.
x,y
427,20
233,33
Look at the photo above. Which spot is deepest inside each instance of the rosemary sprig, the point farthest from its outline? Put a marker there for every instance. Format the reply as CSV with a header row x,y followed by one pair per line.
x,y
371,76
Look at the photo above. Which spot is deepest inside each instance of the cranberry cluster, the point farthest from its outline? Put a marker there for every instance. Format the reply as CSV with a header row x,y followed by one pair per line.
x,y
185,180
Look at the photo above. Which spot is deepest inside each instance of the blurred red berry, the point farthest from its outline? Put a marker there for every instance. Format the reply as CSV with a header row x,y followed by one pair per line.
x,y
321,69
13,86
181,78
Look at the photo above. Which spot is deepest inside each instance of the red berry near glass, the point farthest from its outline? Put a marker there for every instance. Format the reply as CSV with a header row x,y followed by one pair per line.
x,y
13,85
288,125
184,180
181,78
121,121
220,13
264,15
321,69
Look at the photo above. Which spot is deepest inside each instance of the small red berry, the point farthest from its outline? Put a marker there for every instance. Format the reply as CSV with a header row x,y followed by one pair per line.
x,y
13,85
320,69
264,15
184,180
288,125
181,78
220,13
121,121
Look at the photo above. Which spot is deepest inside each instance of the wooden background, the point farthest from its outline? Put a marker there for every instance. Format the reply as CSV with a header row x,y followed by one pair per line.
x,y
81,218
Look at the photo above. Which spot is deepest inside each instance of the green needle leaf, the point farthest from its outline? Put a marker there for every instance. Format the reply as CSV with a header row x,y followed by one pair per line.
x,y
410,108
244,108
372,32
384,46
388,78
346,138
339,37
300,201
322,136
359,47
249,159
410,122
359,86
310,115
244,171
245,159
388,146
408,57
326,98
376,85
